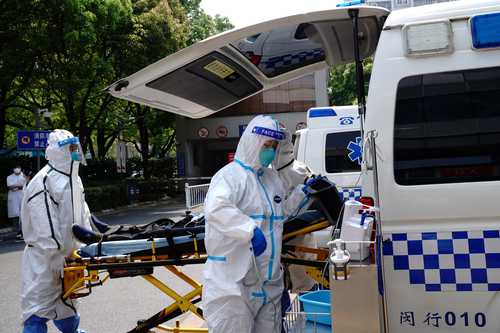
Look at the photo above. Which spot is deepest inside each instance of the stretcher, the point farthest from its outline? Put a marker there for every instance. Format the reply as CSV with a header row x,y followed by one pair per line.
x,y
128,251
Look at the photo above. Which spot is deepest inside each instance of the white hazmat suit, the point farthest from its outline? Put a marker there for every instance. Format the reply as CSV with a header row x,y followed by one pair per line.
x,y
53,202
293,173
242,291
15,195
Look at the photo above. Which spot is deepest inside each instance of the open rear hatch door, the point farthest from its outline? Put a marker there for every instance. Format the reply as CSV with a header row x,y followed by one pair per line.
x,y
223,70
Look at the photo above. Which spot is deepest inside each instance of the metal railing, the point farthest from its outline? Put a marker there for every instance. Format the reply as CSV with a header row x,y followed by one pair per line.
x,y
195,195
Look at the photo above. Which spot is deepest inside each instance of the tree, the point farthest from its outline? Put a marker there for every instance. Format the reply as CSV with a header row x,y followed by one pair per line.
x,y
201,24
61,54
160,28
19,39
78,61
342,83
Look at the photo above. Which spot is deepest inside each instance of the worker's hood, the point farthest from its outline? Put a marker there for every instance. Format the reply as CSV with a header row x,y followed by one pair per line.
x,y
58,153
258,131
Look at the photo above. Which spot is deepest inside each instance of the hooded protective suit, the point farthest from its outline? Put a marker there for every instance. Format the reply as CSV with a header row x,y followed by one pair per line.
x,y
293,173
242,292
52,203
15,196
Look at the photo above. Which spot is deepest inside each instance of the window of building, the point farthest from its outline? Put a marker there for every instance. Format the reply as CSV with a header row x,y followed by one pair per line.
x,y
336,152
401,2
447,128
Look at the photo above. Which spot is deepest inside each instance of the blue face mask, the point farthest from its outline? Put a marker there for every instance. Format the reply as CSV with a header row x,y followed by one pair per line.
x,y
76,156
266,156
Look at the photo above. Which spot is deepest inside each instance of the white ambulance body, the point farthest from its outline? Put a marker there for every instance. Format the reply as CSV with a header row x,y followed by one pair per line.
x,y
331,146
431,146
433,114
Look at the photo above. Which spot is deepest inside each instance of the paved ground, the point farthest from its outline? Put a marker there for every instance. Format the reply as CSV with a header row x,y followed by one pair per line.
x,y
114,307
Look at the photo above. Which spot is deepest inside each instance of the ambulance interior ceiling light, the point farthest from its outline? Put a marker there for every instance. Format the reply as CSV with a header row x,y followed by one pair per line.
x,y
428,38
485,30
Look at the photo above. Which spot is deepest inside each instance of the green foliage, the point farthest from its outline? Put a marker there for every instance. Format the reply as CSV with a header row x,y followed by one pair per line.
x,y
201,24
342,83
62,54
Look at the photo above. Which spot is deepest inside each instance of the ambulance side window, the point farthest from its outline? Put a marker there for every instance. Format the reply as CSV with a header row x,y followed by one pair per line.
x,y
447,128
337,154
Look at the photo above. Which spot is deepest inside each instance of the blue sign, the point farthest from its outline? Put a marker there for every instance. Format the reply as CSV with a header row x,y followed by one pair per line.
x,y
344,121
356,150
32,140
242,129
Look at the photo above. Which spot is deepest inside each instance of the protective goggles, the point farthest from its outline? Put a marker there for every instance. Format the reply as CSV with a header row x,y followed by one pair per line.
x,y
69,141
276,135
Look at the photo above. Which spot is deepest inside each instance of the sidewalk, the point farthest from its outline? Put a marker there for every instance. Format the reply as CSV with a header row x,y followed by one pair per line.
x,y
9,234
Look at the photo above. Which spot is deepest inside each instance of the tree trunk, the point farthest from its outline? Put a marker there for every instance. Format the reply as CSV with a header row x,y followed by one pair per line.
x,y
90,144
101,142
3,117
140,121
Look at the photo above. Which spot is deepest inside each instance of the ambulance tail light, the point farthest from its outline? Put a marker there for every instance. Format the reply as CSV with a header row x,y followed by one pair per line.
x,y
367,201
255,59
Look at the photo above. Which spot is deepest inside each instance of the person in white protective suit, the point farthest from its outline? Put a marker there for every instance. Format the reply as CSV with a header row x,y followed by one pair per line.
x,y
15,184
53,202
294,173
245,208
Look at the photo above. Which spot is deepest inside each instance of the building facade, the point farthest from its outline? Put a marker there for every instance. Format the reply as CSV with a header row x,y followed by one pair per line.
x,y
206,145
400,4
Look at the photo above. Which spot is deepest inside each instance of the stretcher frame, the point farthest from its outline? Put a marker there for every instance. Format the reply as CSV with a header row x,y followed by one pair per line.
x,y
83,274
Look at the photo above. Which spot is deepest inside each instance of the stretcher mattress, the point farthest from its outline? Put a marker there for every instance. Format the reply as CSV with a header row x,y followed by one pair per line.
x,y
183,244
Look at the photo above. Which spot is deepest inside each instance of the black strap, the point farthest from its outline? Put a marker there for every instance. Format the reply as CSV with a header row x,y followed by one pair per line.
x,y
284,166
61,172
35,195
45,192
71,306
40,192
53,200
71,189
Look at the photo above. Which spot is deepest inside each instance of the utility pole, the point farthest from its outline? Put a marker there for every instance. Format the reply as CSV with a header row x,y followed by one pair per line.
x,y
38,125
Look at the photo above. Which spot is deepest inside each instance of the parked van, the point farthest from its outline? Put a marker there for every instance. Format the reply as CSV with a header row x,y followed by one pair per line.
x,y
331,146
431,147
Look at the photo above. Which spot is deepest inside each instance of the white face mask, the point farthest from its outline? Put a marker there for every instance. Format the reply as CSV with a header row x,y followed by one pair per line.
x,y
17,171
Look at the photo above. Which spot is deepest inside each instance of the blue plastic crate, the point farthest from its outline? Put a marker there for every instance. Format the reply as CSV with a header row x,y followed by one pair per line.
x,y
317,306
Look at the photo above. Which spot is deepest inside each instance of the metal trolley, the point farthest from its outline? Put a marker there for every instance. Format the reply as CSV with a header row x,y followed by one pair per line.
x,y
296,320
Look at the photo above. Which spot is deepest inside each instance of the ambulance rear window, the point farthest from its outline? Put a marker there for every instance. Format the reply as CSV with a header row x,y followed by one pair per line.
x,y
338,157
447,128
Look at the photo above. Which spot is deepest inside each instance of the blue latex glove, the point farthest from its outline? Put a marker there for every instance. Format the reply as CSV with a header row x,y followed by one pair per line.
x,y
310,183
259,243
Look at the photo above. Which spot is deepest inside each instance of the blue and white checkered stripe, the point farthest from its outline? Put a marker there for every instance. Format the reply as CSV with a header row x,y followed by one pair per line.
x,y
293,59
352,193
457,261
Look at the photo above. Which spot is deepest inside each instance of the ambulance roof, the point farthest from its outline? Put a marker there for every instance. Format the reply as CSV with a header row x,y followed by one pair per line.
x,y
333,117
453,9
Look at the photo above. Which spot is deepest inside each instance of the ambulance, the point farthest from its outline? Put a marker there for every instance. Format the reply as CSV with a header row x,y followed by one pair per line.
x,y
331,146
430,144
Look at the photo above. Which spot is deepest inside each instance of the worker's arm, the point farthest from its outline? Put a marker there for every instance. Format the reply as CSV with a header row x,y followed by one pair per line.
x,y
296,201
221,212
